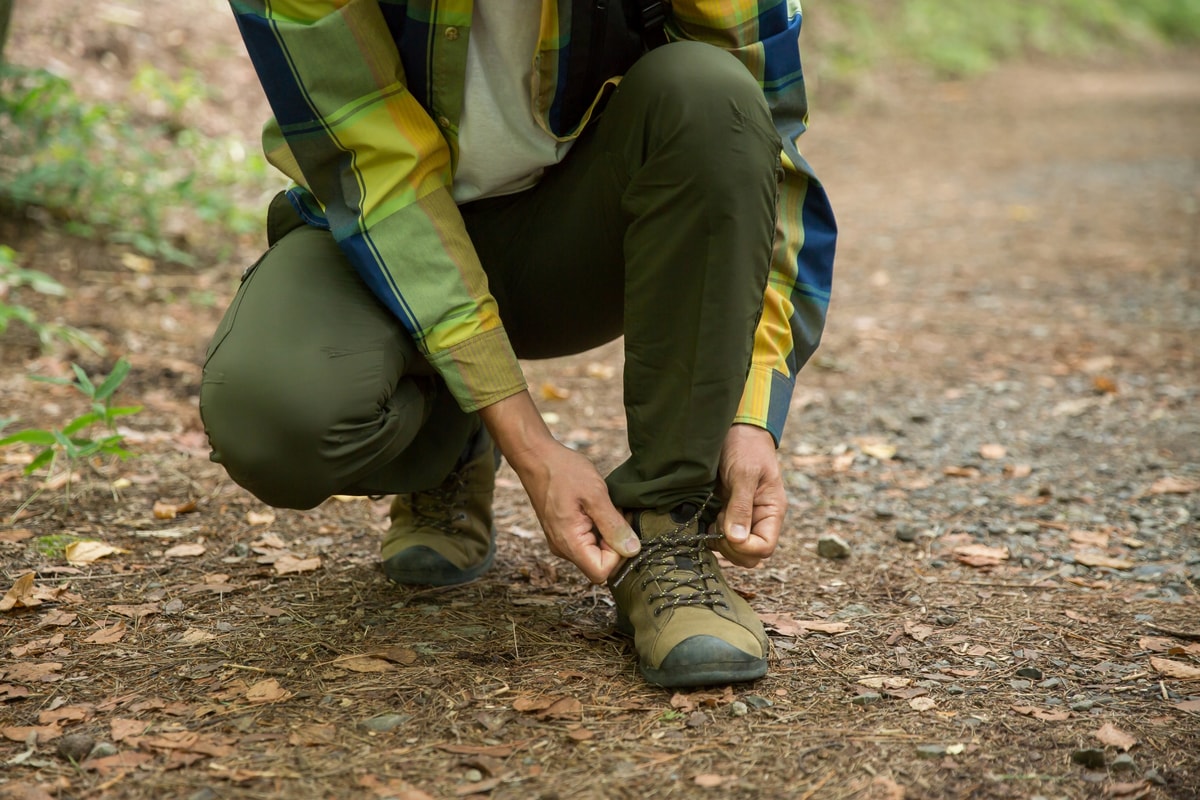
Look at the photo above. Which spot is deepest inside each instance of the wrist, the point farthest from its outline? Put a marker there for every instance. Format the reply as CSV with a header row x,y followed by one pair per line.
x,y
519,431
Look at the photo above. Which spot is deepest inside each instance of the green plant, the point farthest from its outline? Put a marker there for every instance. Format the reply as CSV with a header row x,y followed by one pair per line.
x,y
71,441
14,277
108,171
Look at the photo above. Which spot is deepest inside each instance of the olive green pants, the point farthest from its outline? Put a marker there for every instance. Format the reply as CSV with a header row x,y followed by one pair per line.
x,y
658,225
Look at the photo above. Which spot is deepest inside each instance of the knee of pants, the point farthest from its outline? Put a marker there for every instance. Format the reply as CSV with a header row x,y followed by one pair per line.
x,y
290,446
697,86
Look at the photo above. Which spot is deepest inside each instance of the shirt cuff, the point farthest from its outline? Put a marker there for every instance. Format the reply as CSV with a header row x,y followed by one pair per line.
x,y
765,400
481,370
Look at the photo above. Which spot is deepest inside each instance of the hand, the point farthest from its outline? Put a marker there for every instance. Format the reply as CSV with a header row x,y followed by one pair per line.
x,y
751,483
568,494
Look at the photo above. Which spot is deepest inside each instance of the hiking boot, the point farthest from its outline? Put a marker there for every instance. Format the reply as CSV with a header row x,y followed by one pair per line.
x,y
689,628
445,536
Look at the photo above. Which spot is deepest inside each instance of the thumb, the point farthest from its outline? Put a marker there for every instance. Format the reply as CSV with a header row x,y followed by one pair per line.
x,y
614,529
738,511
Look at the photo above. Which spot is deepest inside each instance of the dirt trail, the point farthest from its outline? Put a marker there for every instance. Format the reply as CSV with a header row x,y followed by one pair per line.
x,y
1002,423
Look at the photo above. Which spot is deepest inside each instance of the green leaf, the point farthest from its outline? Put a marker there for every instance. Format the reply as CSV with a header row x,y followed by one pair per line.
x,y
84,384
121,411
55,381
110,384
38,437
43,458
81,422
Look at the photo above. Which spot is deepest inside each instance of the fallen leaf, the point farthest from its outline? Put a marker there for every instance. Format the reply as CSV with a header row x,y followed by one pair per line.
x,y
87,551
709,780
271,540
782,624
1175,669
287,564
76,713
58,619
961,472
364,664
884,682
823,627
993,452
21,733
398,655
110,635
1113,736
1018,470
121,728
1173,485
526,704
195,636
37,672
1155,643
1089,538
1189,705
121,762
21,594
263,518
137,611
185,550
166,510
1089,559
918,632
1043,714
563,708
16,535
267,691
313,734
981,555
581,734
922,703
1078,617
552,392
10,692
880,451
1104,384
479,787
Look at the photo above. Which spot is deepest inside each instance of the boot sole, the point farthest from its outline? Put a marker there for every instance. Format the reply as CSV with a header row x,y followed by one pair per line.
x,y
424,566
704,660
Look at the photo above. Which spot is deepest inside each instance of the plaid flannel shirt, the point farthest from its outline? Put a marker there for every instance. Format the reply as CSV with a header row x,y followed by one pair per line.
x,y
367,97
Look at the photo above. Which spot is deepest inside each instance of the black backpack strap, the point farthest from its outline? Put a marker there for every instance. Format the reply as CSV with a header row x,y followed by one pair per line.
x,y
652,17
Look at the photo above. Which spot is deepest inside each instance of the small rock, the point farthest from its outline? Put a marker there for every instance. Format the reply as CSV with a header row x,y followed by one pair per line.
x,y
173,607
866,699
954,688
1033,673
1090,757
832,546
384,722
75,747
472,776
1123,763
1051,683
103,750
884,512
906,532
931,750
697,719
1152,776
206,793
738,708
851,612
946,620
1082,705
1020,685
754,701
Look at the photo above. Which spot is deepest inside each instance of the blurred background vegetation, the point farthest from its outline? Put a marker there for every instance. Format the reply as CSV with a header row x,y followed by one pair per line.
x,y
108,172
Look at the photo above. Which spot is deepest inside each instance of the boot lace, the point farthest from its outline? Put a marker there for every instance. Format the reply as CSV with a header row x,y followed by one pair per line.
x,y
441,507
678,563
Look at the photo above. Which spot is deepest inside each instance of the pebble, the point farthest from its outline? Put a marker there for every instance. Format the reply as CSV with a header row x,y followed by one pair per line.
x,y
1082,705
738,708
850,612
832,546
1090,757
1033,673
954,688
75,747
1020,685
906,532
866,698
384,722
931,750
206,793
1123,763
884,512
473,776
754,701
946,620
103,750
1051,683
1152,776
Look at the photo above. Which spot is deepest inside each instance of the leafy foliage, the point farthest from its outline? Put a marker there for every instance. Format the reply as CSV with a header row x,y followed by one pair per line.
x,y
14,277
71,441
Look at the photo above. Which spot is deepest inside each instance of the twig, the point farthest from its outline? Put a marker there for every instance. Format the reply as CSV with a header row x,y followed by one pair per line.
x,y
809,794
1191,637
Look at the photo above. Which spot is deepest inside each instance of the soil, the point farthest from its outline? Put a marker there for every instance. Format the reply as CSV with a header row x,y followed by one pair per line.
x,y
1002,425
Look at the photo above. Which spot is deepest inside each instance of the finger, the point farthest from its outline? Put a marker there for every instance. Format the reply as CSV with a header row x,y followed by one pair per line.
x,y
737,514
614,529
737,557
596,561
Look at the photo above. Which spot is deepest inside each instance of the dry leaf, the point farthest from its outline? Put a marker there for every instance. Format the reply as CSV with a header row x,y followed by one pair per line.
x,y
121,762
878,450
981,555
287,564
37,672
87,551
364,664
709,780
961,472
16,535
1156,644
1018,470
552,392
1175,669
922,703
1189,705
563,708
165,510
312,734
185,550
58,619
581,734
264,518
1113,736
121,728
1089,559
76,713
21,594
398,655
918,632
532,703
1088,538
137,612
1043,714
1075,615
21,733
884,682
268,691
196,636
110,635
1173,485
782,624
993,452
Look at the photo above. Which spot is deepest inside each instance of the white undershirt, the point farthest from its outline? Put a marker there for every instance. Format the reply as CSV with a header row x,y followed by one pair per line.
x,y
501,147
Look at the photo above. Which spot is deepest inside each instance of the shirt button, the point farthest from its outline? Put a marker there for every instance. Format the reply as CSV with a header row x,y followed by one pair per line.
x,y
452,34
444,122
